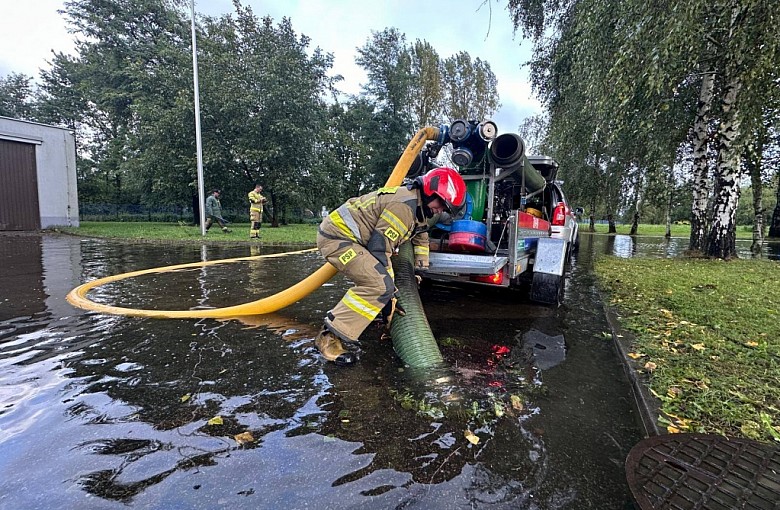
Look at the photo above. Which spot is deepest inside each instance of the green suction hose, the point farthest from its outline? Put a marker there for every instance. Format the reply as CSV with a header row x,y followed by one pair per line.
x,y
413,339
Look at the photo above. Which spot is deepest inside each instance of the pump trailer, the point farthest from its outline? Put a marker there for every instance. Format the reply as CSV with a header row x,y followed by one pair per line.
x,y
517,227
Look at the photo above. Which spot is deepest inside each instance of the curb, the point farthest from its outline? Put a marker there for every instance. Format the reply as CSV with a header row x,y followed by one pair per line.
x,y
646,404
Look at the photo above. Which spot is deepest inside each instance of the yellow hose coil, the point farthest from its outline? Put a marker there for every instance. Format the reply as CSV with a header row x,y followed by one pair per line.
x,y
78,296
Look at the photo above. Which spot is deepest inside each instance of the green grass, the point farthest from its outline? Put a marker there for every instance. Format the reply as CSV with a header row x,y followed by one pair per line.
x,y
287,234
646,229
708,335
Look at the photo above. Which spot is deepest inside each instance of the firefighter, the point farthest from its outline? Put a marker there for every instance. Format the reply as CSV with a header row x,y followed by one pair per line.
x,y
359,238
256,201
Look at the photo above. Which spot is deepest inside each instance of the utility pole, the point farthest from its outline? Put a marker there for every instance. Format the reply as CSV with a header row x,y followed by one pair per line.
x,y
201,193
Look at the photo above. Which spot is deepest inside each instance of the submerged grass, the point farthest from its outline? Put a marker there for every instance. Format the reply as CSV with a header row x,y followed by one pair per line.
x,y
287,234
707,332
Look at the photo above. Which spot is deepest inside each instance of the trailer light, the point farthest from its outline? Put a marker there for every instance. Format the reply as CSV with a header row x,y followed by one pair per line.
x,y
493,279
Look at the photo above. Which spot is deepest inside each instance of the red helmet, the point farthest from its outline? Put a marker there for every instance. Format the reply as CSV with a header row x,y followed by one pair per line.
x,y
446,184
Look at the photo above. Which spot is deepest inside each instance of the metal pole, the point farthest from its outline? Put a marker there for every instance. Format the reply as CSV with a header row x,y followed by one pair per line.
x,y
201,193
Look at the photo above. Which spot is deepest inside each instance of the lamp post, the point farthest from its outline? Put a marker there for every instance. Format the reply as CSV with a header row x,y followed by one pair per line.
x,y
201,193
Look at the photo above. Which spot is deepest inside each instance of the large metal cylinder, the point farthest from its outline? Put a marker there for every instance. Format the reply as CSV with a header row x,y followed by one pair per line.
x,y
508,152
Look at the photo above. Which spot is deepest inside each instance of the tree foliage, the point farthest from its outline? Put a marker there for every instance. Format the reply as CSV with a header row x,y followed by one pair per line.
x,y
17,96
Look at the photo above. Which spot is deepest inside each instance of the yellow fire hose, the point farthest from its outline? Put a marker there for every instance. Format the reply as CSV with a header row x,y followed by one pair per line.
x,y
78,296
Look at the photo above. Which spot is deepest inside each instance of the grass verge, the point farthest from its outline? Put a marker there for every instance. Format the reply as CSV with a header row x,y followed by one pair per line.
x,y
707,336
287,234
646,229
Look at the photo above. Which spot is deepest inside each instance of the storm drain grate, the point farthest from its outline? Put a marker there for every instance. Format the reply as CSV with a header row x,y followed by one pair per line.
x,y
692,471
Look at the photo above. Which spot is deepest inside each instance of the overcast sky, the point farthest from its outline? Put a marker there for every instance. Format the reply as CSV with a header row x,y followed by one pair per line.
x,y
31,29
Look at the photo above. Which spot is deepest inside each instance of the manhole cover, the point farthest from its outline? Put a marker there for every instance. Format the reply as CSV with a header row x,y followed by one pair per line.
x,y
687,471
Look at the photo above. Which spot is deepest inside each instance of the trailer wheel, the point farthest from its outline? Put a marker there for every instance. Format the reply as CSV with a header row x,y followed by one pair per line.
x,y
547,288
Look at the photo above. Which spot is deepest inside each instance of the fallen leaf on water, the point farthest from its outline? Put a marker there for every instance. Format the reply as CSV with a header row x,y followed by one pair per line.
x,y
185,398
517,403
244,437
473,438
635,355
650,366
217,420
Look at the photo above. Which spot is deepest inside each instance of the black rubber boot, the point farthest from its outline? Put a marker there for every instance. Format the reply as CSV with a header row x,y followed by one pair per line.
x,y
332,349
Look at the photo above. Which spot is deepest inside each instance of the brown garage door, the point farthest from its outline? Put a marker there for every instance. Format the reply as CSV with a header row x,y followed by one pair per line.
x,y
18,187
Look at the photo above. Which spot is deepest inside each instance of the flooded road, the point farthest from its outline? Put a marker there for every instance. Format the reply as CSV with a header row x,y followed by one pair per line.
x,y
100,411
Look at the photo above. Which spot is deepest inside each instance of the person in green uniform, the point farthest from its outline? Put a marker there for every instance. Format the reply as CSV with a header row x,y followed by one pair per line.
x,y
214,211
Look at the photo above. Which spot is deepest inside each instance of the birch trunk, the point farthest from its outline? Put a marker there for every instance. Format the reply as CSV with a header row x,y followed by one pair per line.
x,y
721,241
701,181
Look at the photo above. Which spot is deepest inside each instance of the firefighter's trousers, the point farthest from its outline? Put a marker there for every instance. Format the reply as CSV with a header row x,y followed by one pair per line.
x,y
255,217
372,291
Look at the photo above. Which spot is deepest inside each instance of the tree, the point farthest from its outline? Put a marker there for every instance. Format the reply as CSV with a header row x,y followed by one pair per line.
x,y
264,108
17,97
426,92
388,65
470,88
124,50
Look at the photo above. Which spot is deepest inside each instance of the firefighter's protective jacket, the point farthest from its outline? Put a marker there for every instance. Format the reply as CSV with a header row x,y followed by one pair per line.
x,y
256,201
381,221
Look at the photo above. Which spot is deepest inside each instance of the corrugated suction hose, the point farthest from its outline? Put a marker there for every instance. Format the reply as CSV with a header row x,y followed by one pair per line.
x,y
413,339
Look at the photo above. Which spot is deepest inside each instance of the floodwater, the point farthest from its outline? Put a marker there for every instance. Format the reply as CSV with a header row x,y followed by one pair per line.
x,y
101,411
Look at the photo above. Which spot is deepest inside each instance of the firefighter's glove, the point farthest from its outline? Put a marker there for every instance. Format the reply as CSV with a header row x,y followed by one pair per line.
x,y
391,308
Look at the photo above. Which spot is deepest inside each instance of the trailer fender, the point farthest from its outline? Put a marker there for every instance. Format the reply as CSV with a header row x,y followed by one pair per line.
x,y
550,256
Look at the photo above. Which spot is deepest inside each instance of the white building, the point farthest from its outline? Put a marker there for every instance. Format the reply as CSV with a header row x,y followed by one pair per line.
x,y
37,176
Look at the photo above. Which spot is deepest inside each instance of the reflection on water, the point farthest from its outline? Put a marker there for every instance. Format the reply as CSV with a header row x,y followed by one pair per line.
x,y
645,246
103,411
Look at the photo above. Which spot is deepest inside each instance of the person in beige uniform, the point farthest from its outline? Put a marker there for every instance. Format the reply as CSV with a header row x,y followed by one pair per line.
x,y
256,201
359,238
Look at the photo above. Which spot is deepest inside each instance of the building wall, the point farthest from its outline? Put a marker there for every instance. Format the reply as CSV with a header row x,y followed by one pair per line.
x,y
55,155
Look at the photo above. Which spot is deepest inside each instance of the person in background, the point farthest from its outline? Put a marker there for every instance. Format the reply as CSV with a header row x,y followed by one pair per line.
x,y
256,201
359,238
214,212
